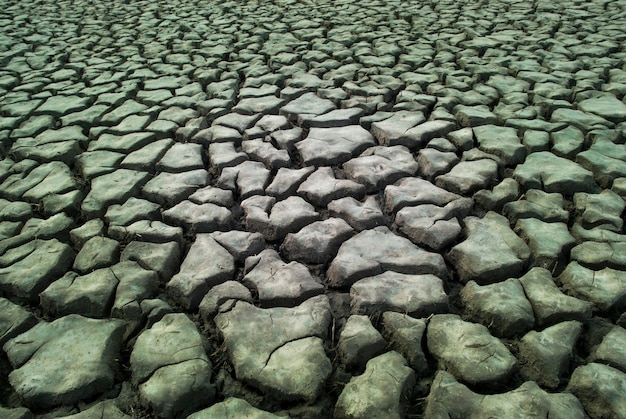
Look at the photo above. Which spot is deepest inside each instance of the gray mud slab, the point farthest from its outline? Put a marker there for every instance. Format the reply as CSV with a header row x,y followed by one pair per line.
x,y
417,295
550,305
172,349
612,350
198,273
261,344
605,288
332,146
112,188
232,407
277,283
545,357
363,256
449,398
544,170
380,166
359,342
321,187
501,307
65,361
14,320
396,158
362,397
405,334
468,350
600,388
318,242
492,251
41,263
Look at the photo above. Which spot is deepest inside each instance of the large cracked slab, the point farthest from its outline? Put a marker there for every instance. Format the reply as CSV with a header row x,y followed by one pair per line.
x,y
492,251
468,350
65,361
449,398
172,349
278,283
331,146
279,350
373,251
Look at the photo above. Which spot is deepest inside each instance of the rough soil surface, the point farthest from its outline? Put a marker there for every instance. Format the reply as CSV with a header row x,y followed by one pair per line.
x,y
312,209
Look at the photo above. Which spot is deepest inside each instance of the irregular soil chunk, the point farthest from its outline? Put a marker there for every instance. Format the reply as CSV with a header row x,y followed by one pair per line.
x,y
172,349
449,398
468,350
380,391
373,251
492,251
279,350
65,361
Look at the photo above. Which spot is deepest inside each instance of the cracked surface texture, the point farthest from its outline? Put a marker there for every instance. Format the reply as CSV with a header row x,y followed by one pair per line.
x,y
312,209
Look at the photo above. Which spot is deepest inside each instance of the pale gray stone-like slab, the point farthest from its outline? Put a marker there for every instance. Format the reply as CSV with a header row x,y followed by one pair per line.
x,y
603,210
336,145
278,283
600,388
132,210
391,131
433,226
317,242
321,187
40,263
279,350
198,273
544,170
359,341
549,243
247,178
162,258
286,181
492,251
14,320
112,188
596,255
467,177
605,288
545,356
373,251
417,295
502,307
171,188
405,334
235,408
449,398
537,204
360,215
97,252
379,392
222,298
612,350
412,191
502,142
307,104
172,349
263,151
65,361
380,166
550,305
468,350
146,230
146,157
276,219
201,218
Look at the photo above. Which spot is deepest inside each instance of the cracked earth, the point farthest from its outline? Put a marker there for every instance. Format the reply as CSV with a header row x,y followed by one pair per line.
x,y
337,209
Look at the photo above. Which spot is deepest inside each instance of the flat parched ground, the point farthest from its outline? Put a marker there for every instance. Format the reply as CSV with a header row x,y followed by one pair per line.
x,y
306,209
